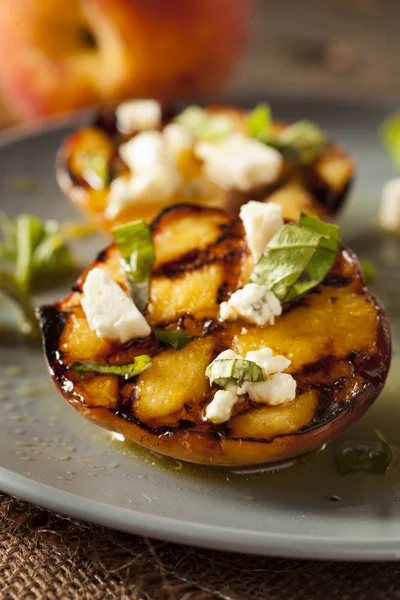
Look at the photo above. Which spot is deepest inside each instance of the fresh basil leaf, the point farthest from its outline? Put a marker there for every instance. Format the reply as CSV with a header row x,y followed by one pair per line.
x,y
135,243
297,258
363,457
305,138
235,370
51,255
369,270
96,169
177,339
10,287
29,233
390,136
205,125
330,233
30,250
127,371
285,259
323,259
34,248
259,121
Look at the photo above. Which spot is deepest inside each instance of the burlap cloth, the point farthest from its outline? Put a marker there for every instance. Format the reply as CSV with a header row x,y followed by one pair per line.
x,y
45,556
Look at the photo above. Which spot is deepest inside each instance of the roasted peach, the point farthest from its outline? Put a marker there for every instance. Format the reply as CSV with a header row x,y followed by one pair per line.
x,y
318,188
337,337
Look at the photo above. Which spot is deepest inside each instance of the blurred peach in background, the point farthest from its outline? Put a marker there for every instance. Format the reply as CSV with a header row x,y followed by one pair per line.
x,y
60,55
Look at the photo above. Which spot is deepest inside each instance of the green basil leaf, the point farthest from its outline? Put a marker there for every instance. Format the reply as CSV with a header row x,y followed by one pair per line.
x,y
363,457
29,233
323,259
305,138
259,121
235,370
127,371
135,243
330,233
285,259
35,248
30,250
51,255
96,170
206,125
10,287
177,339
390,136
369,270
298,258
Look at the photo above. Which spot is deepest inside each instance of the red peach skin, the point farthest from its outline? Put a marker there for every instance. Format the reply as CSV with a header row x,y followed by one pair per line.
x,y
63,55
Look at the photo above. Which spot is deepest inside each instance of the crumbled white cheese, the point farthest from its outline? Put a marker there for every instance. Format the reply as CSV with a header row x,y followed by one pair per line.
x,y
277,389
268,362
389,214
154,175
220,408
145,151
239,162
261,220
253,303
178,138
155,185
138,115
119,196
109,311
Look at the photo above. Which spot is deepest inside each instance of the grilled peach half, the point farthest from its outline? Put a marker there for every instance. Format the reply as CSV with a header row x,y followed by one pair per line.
x,y
336,336
319,188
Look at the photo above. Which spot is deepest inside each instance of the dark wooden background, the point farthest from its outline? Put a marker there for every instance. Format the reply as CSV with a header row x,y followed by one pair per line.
x,y
334,48
325,48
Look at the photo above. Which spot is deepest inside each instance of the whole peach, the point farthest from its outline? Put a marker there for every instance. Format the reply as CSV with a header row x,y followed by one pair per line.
x,y
59,55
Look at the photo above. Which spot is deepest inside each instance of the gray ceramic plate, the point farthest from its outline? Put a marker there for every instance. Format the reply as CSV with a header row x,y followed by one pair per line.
x,y
51,456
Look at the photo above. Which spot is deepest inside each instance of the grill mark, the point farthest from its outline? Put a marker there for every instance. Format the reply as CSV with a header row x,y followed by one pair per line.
x,y
194,261
373,374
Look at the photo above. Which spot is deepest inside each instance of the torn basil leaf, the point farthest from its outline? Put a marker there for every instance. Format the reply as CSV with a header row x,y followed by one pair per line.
x,y
305,139
390,136
323,258
10,287
127,371
177,339
369,458
259,121
31,252
135,243
300,142
285,259
96,169
297,258
33,248
234,370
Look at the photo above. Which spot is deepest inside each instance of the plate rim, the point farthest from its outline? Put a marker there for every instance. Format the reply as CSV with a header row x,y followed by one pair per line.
x,y
228,539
